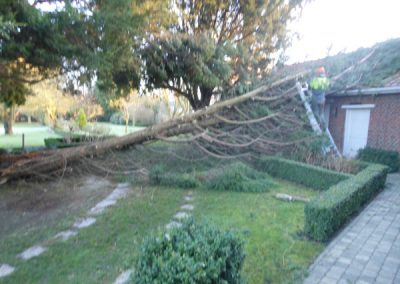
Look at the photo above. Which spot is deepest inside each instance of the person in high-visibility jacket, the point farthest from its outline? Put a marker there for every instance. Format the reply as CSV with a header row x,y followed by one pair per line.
x,y
319,85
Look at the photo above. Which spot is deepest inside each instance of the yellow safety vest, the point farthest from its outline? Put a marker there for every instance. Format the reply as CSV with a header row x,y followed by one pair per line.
x,y
319,84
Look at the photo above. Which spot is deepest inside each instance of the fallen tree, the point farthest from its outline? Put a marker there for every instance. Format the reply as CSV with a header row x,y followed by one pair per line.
x,y
223,124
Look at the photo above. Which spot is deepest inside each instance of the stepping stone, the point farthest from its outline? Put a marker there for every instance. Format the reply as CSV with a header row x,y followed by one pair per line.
x,y
65,235
181,215
123,277
173,224
124,184
188,198
32,252
84,223
101,206
187,207
118,193
6,270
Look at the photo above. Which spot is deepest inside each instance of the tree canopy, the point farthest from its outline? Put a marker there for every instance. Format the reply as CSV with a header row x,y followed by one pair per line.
x,y
198,49
216,47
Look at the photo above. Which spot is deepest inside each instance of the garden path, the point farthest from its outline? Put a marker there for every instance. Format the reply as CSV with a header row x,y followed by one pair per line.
x,y
368,249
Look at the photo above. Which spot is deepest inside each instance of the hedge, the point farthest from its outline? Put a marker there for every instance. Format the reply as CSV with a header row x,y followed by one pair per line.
x,y
310,176
193,253
326,213
378,156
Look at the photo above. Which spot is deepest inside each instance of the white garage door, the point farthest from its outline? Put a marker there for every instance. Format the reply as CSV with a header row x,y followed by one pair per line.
x,y
356,128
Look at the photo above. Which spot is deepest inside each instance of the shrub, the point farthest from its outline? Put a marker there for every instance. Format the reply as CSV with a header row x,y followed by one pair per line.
x,y
117,118
325,214
81,119
384,157
304,174
143,116
193,253
238,177
158,176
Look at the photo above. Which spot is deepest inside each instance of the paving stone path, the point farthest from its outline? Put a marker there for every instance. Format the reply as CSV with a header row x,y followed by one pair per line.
x,y
368,249
185,212
119,192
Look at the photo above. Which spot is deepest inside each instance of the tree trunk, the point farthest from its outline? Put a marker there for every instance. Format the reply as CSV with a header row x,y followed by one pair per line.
x,y
9,120
50,161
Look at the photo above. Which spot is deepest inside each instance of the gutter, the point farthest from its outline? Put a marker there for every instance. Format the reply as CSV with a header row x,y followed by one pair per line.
x,y
368,92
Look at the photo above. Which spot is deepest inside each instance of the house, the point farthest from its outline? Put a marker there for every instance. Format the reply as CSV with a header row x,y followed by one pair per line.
x,y
363,104
365,117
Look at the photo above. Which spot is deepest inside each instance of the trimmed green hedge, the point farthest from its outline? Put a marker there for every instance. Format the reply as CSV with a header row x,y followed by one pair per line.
x,y
378,156
326,213
304,174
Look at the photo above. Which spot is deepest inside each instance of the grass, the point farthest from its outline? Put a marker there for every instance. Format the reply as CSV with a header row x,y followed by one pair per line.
x,y
36,133
274,247
98,253
275,250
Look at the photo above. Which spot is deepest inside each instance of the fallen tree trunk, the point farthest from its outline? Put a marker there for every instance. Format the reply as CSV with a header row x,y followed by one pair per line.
x,y
58,159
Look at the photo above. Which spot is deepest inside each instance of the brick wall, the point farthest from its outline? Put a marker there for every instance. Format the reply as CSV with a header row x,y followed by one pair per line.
x,y
384,125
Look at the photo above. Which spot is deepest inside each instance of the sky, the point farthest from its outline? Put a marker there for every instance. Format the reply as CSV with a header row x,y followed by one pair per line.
x,y
342,25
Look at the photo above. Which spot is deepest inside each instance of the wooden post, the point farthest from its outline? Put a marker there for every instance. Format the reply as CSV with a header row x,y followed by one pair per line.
x,y
23,141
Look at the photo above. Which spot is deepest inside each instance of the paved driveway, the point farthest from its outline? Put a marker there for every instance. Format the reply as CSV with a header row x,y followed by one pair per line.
x,y
368,249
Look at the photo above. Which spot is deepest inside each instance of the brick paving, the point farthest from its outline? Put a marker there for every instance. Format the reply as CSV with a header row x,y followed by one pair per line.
x,y
368,249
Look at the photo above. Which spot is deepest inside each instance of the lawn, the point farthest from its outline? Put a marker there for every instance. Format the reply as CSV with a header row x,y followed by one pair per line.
x,y
99,253
36,133
276,251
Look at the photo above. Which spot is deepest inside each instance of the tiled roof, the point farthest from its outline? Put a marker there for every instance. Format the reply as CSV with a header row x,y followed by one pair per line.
x,y
392,81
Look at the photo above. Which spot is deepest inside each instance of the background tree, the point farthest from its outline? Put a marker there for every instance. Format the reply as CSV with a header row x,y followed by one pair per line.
x,y
215,47
84,39
33,46
48,102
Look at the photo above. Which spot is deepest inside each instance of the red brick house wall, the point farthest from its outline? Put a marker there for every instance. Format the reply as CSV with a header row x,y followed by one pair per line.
x,y
384,124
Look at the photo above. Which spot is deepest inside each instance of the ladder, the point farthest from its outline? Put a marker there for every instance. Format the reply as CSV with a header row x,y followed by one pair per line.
x,y
314,123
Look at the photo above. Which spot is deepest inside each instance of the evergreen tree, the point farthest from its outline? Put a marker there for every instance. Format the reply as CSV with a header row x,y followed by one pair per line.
x,y
215,47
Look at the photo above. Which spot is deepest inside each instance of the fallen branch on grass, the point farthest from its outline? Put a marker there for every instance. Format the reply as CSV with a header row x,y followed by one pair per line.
x,y
290,198
223,115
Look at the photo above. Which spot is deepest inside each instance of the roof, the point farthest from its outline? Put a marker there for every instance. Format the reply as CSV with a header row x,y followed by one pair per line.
x,y
369,91
372,70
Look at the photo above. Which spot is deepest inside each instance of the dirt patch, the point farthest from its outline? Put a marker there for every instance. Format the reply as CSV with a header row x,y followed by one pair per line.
x,y
26,205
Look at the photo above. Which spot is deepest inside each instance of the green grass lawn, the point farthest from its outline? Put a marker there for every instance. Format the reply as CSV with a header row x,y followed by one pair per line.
x,y
98,253
275,250
34,135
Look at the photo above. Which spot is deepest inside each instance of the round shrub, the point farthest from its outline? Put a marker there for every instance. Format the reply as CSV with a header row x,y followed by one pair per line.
x,y
378,156
193,253
81,119
117,118
158,176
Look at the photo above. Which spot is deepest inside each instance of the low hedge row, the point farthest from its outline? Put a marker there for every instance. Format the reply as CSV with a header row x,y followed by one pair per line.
x,y
300,173
378,156
326,213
